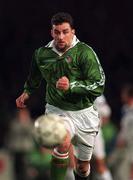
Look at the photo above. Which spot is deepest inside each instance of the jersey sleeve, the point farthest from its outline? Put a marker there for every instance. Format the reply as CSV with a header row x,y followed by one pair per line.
x,y
34,77
93,78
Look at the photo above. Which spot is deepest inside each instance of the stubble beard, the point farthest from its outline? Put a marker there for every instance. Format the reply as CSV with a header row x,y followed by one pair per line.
x,y
63,48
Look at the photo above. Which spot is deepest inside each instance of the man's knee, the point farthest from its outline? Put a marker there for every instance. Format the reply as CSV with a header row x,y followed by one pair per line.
x,y
64,147
83,168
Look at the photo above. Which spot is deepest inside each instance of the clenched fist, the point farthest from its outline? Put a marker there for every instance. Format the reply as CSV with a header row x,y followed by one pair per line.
x,y
63,83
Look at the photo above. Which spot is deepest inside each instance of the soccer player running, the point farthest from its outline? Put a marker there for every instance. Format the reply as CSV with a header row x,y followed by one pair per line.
x,y
74,79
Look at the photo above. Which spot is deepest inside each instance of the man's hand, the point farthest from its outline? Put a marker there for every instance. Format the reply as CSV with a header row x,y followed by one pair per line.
x,y
20,101
63,83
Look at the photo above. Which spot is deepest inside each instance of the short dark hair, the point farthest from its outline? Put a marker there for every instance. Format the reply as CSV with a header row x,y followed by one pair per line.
x,y
62,17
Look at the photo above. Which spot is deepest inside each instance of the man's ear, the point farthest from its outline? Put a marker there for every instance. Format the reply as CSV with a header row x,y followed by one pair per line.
x,y
51,32
73,31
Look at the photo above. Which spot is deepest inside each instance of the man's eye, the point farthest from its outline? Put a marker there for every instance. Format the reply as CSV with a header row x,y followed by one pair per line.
x,y
65,32
56,32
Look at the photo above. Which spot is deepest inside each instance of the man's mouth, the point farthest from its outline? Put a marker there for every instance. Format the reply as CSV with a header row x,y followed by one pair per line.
x,y
61,42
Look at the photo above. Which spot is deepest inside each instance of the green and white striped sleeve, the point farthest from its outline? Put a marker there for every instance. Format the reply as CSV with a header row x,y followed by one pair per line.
x,y
93,77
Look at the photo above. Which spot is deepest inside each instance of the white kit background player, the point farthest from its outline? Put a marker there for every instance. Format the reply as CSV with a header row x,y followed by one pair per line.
x,y
102,170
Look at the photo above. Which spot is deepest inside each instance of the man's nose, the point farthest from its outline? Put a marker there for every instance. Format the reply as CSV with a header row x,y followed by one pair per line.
x,y
61,36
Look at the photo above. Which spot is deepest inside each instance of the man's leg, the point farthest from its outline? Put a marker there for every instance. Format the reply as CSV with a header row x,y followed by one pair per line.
x,y
59,166
60,161
83,154
82,170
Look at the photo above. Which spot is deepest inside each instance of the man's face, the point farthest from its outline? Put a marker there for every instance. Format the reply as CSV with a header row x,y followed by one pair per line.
x,y
63,36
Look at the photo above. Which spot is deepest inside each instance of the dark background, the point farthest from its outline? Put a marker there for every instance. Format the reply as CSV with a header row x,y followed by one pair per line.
x,y
107,26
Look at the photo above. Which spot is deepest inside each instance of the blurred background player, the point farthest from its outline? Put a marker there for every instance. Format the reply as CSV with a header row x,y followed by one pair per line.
x,y
102,170
71,166
122,157
20,141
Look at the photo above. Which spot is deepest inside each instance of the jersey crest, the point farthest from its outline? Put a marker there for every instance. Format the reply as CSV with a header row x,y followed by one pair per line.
x,y
68,59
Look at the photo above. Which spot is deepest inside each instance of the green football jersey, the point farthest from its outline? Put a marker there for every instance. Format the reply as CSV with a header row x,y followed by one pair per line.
x,y
79,64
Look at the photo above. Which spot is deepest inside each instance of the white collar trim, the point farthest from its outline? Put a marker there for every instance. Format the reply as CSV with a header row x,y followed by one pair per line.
x,y
51,44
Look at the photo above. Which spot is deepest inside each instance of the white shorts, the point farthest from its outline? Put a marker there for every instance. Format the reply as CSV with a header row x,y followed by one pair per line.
x,y
83,126
99,148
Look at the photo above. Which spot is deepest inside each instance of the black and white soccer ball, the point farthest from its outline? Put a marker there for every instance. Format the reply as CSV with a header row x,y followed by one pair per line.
x,y
49,130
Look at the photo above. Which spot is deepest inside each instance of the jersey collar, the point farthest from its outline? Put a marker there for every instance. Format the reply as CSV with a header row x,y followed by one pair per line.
x,y
51,45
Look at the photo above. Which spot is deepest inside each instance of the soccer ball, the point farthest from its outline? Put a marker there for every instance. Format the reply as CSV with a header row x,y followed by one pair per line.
x,y
49,130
